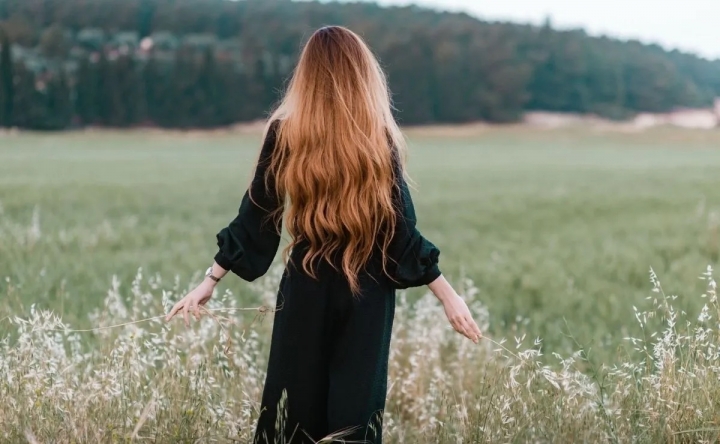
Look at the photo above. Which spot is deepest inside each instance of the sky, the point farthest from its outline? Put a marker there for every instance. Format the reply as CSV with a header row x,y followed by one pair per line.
x,y
688,25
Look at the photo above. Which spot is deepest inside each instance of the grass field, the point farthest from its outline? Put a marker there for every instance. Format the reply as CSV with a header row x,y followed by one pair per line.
x,y
556,230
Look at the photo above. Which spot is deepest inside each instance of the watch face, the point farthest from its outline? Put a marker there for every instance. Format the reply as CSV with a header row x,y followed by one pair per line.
x,y
208,272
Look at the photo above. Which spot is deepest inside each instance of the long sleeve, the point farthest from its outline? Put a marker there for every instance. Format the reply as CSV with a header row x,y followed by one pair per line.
x,y
413,260
247,246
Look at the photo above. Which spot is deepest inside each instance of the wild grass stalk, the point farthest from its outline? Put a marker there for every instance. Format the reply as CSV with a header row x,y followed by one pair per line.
x,y
156,381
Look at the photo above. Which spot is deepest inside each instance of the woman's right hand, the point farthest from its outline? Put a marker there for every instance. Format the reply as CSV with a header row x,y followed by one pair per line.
x,y
192,302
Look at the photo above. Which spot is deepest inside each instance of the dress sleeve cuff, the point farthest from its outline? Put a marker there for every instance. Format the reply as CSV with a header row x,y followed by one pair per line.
x,y
223,262
430,276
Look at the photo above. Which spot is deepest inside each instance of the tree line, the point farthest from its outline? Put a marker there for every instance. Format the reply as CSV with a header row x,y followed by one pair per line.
x,y
207,63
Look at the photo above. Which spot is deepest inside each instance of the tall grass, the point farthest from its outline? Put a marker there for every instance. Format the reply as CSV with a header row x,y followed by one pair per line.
x,y
163,382
556,229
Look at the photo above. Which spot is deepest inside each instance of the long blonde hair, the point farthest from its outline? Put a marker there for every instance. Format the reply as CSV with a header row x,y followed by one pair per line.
x,y
333,162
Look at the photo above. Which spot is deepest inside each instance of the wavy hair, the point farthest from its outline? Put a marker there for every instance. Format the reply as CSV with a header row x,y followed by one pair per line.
x,y
333,164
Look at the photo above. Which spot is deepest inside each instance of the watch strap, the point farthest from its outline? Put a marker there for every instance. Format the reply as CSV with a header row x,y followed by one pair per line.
x,y
209,274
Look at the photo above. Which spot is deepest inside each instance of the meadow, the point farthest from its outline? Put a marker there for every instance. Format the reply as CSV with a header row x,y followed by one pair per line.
x,y
550,234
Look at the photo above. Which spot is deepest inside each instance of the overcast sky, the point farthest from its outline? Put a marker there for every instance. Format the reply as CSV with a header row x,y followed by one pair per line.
x,y
690,25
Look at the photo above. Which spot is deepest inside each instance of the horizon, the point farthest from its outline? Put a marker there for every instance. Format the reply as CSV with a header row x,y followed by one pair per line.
x,y
690,26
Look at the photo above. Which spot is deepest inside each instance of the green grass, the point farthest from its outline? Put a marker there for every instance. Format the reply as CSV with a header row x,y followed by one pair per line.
x,y
557,229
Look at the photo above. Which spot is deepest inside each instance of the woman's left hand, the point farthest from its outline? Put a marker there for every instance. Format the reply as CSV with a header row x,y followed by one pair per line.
x,y
461,319
192,302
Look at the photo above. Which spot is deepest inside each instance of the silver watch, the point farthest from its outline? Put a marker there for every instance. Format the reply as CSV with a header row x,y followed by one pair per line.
x,y
208,274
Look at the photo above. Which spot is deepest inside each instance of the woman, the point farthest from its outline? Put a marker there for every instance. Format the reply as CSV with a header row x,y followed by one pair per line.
x,y
332,160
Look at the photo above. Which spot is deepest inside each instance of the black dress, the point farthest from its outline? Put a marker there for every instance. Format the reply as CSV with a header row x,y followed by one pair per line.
x,y
329,353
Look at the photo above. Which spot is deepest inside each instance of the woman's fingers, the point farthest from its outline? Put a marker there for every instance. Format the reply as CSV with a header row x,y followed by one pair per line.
x,y
186,313
478,331
189,306
460,326
474,328
467,327
191,309
467,330
174,310
196,311
457,324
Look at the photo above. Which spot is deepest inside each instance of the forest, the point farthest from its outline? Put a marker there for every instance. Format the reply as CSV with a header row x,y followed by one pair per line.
x,y
210,63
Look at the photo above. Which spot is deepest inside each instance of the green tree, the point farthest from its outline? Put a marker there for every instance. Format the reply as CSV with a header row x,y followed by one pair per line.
x,y
59,104
7,89
28,104
146,14
53,42
217,61
86,100
128,93
119,92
